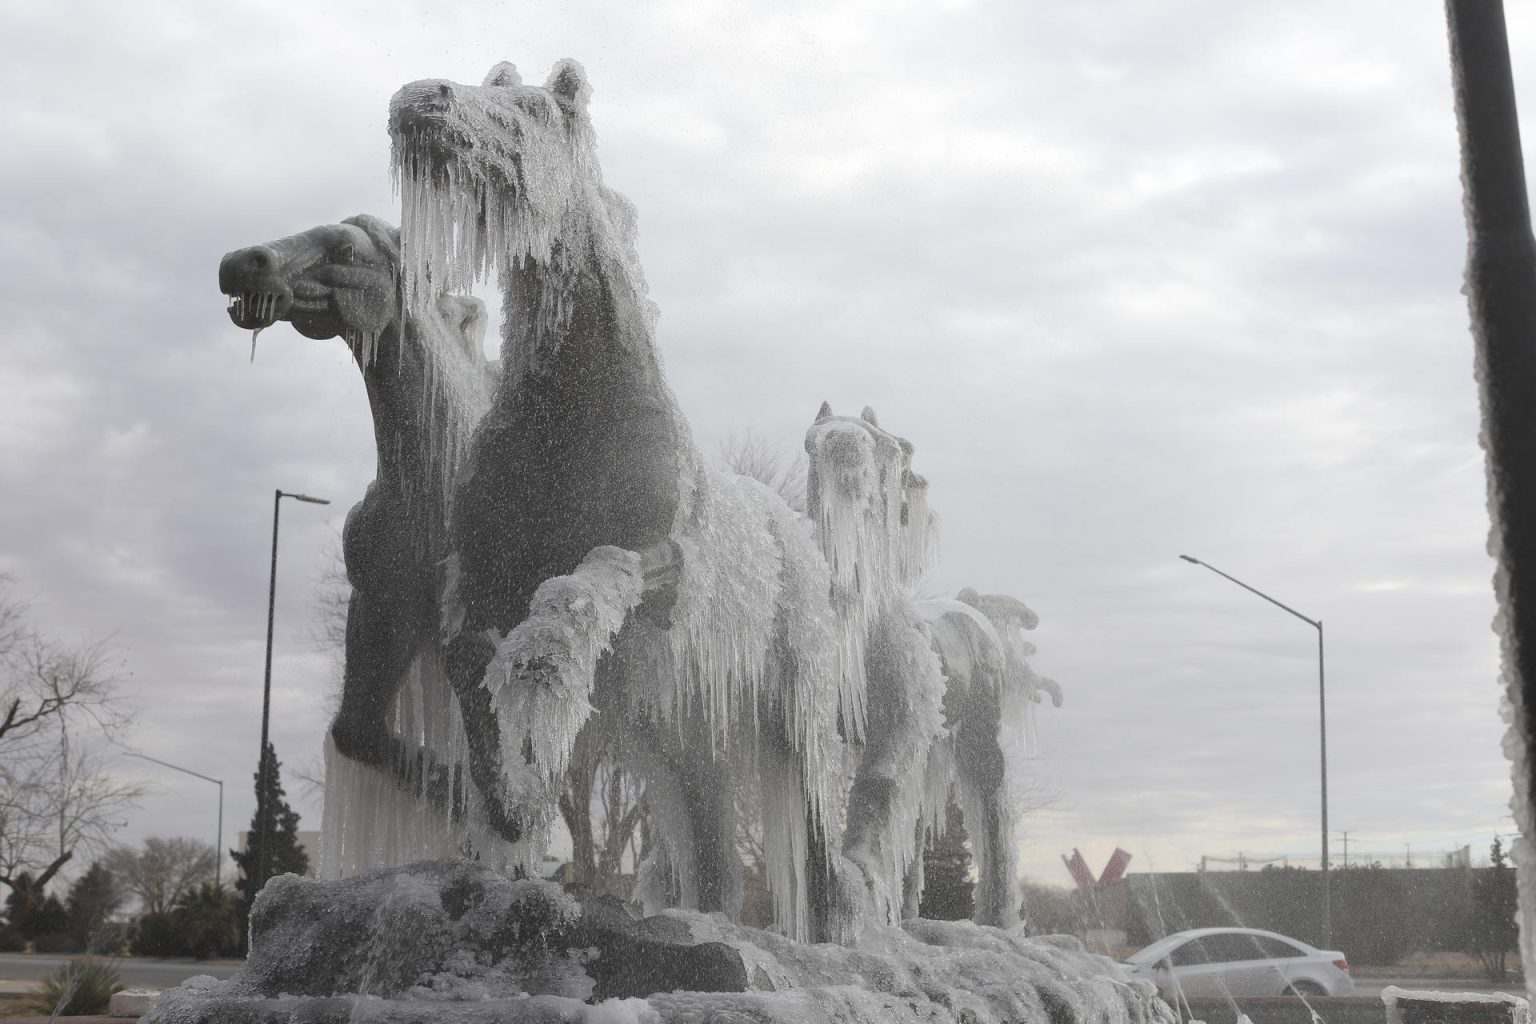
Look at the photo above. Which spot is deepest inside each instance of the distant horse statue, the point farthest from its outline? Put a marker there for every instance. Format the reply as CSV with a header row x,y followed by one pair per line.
x,y
939,672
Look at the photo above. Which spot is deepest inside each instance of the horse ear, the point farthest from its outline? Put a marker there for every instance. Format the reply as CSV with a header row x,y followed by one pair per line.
x,y
868,416
503,74
382,233
825,412
568,80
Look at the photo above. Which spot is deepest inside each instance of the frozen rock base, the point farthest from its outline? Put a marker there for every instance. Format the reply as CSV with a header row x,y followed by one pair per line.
x,y
449,941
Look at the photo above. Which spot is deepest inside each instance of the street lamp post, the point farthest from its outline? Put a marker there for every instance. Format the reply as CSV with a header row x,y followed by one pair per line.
x,y
1322,719
218,839
266,684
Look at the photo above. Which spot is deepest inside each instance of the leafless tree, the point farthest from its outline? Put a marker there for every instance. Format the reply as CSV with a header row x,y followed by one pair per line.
x,y
162,870
327,633
602,806
750,455
332,595
57,705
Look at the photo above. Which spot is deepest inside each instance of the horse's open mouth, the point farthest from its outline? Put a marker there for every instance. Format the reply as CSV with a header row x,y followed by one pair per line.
x,y
255,310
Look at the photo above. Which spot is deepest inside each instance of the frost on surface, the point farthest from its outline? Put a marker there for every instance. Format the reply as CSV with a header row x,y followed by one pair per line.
x,y
892,786
543,673
504,177
755,649
928,971
429,435
369,820
1023,690
1499,296
974,661
454,942
874,529
1518,1011
775,625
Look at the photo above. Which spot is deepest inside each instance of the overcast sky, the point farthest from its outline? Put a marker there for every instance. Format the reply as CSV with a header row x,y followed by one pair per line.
x,y
1137,280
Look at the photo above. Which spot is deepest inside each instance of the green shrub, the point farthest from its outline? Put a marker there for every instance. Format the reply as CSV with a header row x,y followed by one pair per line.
x,y
56,942
157,935
208,921
80,988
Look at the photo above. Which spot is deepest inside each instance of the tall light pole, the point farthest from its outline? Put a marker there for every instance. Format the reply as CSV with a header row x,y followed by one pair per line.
x,y
1322,720
266,684
218,839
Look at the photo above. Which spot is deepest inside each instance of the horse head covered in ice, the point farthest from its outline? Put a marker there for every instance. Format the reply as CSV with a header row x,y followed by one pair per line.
x,y
598,563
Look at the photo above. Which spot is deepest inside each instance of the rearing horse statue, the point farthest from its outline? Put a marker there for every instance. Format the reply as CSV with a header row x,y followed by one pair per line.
x,y
599,561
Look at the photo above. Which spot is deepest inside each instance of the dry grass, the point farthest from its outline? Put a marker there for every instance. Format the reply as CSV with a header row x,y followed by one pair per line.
x,y
1434,965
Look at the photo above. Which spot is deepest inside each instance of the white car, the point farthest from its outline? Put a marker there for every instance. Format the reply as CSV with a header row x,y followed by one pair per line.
x,y
1220,962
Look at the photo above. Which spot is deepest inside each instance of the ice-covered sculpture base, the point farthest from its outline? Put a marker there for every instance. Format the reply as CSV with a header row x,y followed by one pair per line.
x,y
449,941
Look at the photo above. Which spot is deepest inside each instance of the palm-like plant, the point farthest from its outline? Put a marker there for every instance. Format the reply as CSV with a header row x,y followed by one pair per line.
x,y
79,988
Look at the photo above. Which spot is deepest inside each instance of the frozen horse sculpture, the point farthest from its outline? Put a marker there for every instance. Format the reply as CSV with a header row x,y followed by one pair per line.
x,y
599,561
702,618
939,672
978,640
872,522
977,702
428,384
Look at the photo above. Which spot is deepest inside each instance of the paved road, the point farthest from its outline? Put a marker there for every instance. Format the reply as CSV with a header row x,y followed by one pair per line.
x,y
25,968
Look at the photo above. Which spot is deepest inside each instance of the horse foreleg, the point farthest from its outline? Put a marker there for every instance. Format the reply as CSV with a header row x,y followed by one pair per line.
x,y
465,662
906,686
525,697
379,650
981,770
709,799
668,876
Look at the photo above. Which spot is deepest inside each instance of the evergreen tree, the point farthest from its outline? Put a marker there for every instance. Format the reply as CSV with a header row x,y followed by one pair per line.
x,y
92,900
947,886
24,894
208,921
1492,931
48,925
274,826
33,914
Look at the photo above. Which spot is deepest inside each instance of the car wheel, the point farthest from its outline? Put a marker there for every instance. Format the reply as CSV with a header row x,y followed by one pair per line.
x,y
1305,989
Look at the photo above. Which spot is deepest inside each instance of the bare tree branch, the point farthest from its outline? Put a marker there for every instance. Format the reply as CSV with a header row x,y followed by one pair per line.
x,y
749,455
162,870
60,703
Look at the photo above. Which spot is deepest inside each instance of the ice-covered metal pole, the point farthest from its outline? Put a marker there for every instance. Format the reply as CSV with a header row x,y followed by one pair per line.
x,y
1322,732
1501,295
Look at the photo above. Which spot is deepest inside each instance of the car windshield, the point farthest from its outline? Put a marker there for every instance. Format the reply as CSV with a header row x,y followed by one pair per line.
x,y
1157,951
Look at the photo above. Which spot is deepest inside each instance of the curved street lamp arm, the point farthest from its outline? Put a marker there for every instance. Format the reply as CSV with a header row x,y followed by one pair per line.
x,y
1315,623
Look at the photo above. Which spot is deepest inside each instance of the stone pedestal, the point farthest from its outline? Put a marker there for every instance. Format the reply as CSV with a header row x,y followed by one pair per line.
x,y
1405,1006
449,941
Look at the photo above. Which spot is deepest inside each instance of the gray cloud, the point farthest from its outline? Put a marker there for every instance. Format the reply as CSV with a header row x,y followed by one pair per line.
x,y
1136,281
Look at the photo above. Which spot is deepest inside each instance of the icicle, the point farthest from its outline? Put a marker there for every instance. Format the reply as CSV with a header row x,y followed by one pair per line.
x,y
254,335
